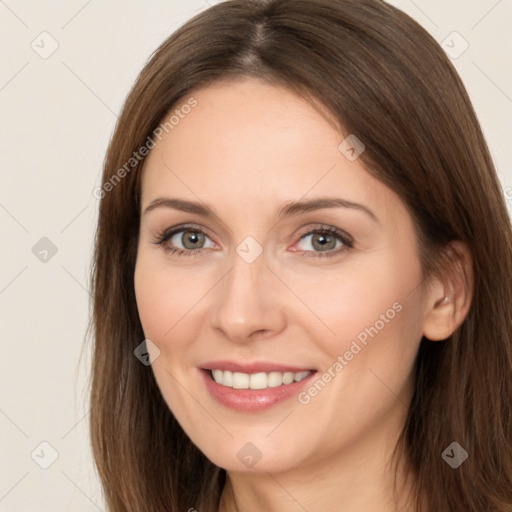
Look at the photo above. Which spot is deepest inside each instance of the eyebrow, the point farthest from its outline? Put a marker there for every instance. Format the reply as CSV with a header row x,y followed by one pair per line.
x,y
289,209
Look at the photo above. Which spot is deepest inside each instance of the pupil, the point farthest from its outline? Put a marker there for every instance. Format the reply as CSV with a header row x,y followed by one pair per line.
x,y
191,239
324,241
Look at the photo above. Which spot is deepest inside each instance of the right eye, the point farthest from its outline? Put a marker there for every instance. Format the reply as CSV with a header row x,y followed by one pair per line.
x,y
184,240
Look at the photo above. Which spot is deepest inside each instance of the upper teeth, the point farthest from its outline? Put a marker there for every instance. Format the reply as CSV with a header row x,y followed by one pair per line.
x,y
262,380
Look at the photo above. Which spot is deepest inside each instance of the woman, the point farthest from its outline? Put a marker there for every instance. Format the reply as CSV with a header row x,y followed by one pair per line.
x,y
302,273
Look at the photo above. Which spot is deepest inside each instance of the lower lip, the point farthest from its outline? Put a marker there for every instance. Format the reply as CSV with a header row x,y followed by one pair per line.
x,y
252,400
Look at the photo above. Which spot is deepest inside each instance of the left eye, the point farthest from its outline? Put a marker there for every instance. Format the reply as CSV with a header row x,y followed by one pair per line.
x,y
321,241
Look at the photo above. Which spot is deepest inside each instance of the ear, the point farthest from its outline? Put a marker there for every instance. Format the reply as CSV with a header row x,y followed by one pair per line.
x,y
449,295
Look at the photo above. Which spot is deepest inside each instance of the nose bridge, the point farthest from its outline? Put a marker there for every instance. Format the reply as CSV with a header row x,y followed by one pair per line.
x,y
245,301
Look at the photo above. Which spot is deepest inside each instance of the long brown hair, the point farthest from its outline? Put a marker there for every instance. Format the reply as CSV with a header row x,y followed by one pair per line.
x,y
386,80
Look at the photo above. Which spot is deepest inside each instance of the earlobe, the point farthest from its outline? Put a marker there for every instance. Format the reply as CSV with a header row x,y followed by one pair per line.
x,y
449,297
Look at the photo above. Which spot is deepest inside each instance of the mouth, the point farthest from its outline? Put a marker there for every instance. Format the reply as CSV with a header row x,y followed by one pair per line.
x,y
256,381
254,387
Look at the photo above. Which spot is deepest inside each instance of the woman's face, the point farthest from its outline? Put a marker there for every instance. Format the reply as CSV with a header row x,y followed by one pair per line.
x,y
292,263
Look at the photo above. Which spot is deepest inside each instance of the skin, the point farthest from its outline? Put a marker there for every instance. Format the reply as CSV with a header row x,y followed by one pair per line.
x,y
246,149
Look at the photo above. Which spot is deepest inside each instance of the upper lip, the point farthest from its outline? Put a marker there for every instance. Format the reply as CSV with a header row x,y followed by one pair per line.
x,y
254,367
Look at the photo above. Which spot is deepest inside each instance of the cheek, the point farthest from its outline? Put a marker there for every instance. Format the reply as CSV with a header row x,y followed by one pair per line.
x,y
164,297
372,299
375,312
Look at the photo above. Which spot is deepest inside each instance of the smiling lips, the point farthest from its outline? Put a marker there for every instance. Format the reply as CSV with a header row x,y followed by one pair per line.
x,y
253,387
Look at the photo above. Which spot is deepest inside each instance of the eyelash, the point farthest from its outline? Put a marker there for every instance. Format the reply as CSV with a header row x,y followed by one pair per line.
x,y
162,237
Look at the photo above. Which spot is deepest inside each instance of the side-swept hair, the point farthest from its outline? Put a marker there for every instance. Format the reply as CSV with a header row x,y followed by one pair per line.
x,y
386,80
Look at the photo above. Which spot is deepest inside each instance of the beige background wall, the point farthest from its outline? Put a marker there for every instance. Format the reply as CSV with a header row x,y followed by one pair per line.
x,y
57,112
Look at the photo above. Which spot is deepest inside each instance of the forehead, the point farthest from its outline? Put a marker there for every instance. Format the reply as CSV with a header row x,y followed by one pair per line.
x,y
246,141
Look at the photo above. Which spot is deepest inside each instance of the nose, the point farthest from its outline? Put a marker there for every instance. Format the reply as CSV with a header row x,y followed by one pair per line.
x,y
248,303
